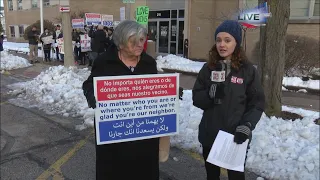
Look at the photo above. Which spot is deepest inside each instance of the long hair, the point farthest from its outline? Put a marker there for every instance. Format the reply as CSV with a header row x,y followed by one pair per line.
x,y
238,57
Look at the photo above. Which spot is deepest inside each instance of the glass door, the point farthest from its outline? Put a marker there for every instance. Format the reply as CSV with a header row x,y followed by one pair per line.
x,y
152,31
163,44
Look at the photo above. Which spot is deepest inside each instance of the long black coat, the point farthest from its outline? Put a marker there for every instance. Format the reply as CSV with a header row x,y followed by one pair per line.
x,y
99,40
128,160
243,102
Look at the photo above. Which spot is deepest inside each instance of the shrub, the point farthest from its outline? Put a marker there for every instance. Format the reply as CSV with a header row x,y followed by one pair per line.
x,y
302,55
46,24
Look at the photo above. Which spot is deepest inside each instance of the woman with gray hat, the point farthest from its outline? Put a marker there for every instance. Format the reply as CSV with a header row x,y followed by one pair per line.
x,y
229,92
127,160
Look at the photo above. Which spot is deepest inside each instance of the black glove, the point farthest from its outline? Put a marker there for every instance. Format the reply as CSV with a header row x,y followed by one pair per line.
x,y
216,91
91,100
242,133
180,93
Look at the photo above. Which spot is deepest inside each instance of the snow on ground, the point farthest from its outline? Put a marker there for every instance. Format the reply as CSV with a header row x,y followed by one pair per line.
x,y
9,61
279,149
297,82
286,149
179,63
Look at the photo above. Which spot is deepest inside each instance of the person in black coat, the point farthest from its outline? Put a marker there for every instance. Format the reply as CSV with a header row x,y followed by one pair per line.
x,y
99,40
234,105
126,160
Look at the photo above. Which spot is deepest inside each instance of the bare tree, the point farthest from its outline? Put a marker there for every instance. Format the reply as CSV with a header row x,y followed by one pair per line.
x,y
272,51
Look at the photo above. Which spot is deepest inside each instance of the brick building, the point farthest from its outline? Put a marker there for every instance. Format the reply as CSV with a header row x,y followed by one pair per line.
x,y
170,21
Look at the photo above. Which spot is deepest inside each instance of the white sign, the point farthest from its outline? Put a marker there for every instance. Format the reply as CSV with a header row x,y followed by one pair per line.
x,y
107,20
60,44
131,108
122,13
85,43
47,39
227,154
64,9
93,18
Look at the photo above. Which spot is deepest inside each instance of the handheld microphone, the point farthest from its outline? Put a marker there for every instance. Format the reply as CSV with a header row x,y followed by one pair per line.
x,y
218,76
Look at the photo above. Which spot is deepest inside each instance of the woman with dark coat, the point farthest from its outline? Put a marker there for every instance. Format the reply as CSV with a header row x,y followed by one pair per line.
x,y
234,105
135,159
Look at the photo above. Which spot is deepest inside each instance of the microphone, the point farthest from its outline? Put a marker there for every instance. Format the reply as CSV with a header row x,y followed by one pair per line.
x,y
218,76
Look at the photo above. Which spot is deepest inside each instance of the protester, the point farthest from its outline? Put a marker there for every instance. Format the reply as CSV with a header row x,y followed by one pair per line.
x,y
99,40
56,35
235,105
59,53
46,39
33,37
127,160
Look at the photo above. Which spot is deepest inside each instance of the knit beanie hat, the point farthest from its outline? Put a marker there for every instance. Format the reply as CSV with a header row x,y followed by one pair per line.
x,y
233,28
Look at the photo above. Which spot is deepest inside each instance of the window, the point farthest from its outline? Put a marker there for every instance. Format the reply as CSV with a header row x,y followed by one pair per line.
x,y
10,5
316,9
34,3
12,31
46,3
19,4
21,30
299,9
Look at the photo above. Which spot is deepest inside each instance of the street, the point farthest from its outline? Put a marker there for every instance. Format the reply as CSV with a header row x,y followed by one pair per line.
x,y
35,145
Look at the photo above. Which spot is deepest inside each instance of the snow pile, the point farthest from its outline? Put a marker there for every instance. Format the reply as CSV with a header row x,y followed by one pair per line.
x,y
286,149
178,63
9,61
56,91
189,118
297,82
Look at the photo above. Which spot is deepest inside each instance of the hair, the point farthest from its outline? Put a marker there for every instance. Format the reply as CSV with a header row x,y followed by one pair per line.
x,y
127,29
237,59
100,27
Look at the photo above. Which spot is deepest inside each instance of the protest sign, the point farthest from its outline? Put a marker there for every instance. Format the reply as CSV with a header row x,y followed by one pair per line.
x,y
93,18
142,15
136,107
60,43
78,23
107,20
47,39
85,43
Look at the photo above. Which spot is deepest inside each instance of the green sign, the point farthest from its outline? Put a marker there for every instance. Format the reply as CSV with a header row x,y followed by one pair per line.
x,y
142,15
128,1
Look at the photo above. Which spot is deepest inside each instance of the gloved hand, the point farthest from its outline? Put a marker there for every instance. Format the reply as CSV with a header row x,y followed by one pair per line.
x,y
180,93
216,91
242,133
91,100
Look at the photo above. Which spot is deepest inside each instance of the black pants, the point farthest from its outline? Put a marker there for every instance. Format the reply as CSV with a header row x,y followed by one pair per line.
x,y
213,172
57,53
47,53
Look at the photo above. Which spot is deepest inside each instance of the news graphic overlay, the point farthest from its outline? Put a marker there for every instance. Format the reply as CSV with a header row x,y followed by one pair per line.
x,y
256,16
138,107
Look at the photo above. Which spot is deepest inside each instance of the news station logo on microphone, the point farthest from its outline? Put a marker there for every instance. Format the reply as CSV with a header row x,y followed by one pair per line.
x,y
256,16
218,76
